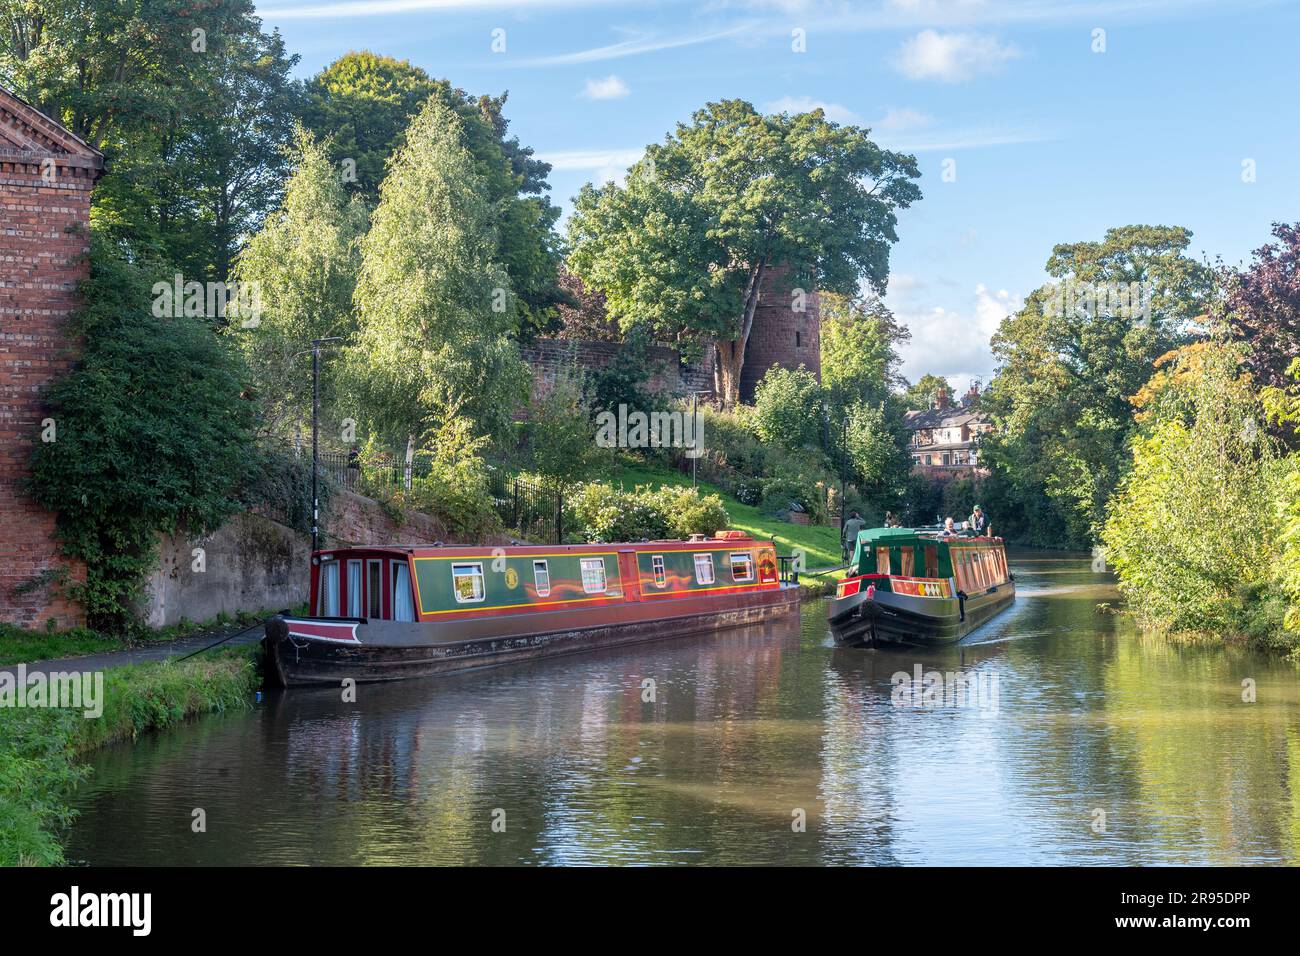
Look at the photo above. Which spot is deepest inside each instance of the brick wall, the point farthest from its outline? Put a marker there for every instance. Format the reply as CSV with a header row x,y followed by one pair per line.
x,y
781,335
668,375
44,212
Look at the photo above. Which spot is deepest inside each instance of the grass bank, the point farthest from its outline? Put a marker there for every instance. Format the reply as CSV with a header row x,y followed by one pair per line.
x,y
820,544
40,749
18,645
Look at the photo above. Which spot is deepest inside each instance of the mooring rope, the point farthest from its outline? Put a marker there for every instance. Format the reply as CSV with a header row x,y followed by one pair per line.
x,y
229,637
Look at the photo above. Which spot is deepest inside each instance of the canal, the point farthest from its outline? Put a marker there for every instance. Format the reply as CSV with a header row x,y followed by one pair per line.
x,y
1089,743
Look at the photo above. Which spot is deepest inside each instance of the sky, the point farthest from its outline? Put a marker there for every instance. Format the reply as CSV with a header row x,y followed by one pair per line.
x,y
1034,122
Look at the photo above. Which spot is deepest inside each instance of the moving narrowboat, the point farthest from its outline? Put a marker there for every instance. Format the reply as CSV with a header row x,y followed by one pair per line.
x,y
919,587
392,612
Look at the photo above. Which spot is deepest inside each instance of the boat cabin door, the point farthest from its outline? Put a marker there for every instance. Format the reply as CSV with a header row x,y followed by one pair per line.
x,y
631,575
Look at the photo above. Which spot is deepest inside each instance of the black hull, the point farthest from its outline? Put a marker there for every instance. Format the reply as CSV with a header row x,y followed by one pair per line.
x,y
390,651
888,618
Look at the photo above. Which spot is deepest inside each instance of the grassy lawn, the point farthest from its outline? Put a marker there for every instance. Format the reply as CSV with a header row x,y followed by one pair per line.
x,y
821,545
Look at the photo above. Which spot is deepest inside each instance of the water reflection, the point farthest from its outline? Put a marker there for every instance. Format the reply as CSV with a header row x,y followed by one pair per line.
x,y
708,751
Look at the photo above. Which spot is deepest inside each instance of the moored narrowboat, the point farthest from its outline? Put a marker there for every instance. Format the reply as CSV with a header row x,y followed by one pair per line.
x,y
386,613
921,587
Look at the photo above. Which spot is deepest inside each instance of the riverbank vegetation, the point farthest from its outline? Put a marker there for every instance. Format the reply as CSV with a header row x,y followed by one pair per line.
x,y
41,748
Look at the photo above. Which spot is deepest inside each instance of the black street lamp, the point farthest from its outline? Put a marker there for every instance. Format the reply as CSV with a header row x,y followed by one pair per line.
x,y
316,346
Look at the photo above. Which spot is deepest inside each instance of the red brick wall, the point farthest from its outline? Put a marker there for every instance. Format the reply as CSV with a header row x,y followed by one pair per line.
x,y
781,335
42,258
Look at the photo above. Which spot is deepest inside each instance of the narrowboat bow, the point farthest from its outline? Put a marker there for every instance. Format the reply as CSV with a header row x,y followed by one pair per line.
x,y
395,612
919,587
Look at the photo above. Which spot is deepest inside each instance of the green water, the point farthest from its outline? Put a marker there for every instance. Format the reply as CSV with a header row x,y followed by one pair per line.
x,y
1101,746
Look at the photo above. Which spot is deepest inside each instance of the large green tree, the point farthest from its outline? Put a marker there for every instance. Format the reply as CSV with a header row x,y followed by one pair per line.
x,y
304,263
190,103
362,103
433,302
859,349
684,246
1069,361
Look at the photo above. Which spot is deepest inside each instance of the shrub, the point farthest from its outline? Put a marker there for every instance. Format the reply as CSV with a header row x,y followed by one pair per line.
x,y
607,513
455,489
788,408
152,436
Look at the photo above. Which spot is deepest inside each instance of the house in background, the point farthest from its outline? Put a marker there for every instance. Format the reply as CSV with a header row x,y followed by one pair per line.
x,y
945,439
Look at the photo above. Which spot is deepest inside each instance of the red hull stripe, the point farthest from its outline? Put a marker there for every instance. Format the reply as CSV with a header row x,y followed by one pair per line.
x,y
344,632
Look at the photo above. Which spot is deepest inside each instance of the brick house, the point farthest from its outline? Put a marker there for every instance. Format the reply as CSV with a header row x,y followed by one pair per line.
x,y
46,177
944,440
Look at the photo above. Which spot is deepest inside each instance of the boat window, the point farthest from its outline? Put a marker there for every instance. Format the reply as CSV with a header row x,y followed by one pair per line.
x,y
909,562
657,565
959,568
593,575
375,589
931,561
541,578
467,582
882,560
403,604
329,602
742,566
704,569
354,589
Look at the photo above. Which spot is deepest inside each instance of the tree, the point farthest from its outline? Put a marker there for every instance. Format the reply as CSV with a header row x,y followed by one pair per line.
x,y
1068,362
560,434
685,245
189,103
922,395
788,409
1262,303
433,304
304,264
859,349
363,102
1191,528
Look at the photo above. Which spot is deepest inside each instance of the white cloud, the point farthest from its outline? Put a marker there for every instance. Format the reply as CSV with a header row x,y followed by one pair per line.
x,y
900,119
610,88
634,47
605,165
951,340
952,57
806,104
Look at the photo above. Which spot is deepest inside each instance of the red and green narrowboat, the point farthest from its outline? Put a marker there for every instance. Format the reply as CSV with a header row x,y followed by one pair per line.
x,y
910,586
392,612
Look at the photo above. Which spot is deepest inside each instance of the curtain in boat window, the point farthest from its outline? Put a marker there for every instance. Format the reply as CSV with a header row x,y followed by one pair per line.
x,y
329,603
403,604
354,589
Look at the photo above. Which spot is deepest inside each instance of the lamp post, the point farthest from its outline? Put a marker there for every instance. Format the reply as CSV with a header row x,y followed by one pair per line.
x,y
316,347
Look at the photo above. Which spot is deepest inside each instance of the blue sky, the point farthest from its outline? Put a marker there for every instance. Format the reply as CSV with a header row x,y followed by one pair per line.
x,y
1051,141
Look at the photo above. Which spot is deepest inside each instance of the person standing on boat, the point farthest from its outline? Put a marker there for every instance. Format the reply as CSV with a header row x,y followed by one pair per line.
x,y
979,521
849,536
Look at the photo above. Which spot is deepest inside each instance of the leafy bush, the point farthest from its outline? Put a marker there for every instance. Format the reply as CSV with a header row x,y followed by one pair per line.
x,y
455,489
688,512
788,408
607,513
151,436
